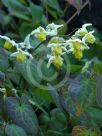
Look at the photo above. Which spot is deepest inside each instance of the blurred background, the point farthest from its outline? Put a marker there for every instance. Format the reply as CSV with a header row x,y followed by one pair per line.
x,y
19,17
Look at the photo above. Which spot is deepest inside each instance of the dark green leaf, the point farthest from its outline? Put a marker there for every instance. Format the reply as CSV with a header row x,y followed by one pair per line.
x,y
94,117
29,71
37,13
3,60
16,8
99,92
55,96
54,4
82,91
2,78
22,114
13,130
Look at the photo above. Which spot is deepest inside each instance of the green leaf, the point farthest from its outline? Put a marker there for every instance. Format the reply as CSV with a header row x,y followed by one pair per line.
x,y
42,97
53,6
83,131
29,70
25,28
2,78
94,117
68,104
55,133
55,96
83,92
58,120
75,68
22,114
37,13
16,8
98,68
48,74
52,12
13,130
99,92
4,18
3,60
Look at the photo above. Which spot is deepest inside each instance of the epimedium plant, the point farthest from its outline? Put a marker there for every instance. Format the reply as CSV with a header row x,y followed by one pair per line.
x,y
26,105
50,83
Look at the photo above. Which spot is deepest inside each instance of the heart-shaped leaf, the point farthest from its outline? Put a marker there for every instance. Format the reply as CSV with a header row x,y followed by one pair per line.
x,y
83,92
13,130
22,114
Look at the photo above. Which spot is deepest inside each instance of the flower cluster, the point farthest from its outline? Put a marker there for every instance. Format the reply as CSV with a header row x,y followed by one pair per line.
x,y
22,52
76,45
58,46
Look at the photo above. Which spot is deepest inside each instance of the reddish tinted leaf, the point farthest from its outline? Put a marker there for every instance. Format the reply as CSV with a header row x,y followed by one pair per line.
x,y
79,92
83,131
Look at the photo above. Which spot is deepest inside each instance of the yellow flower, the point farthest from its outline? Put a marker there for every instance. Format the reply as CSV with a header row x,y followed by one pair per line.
x,y
21,56
8,42
57,40
41,36
83,31
78,50
39,33
58,62
57,50
57,46
78,54
52,29
77,47
8,45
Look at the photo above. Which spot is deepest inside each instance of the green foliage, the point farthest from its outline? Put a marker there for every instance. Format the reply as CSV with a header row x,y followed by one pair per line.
x,y
82,91
57,101
82,131
13,130
22,114
16,9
